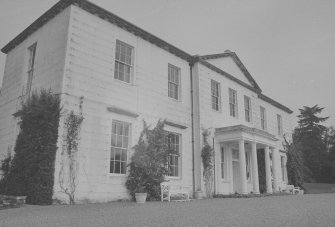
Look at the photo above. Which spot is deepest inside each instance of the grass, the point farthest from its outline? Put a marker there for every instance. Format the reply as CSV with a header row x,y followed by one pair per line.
x,y
292,210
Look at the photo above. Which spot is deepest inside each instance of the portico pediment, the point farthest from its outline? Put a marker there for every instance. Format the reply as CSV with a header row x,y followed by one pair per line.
x,y
243,132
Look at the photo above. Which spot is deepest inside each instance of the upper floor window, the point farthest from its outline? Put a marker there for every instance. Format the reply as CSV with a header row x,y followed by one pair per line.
x,y
119,147
280,125
263,117
247,108
215,90
31,64
174,82
123,61
233,102
173,158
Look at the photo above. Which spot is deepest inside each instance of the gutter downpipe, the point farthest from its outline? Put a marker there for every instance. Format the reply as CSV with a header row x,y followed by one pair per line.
x,y
192,125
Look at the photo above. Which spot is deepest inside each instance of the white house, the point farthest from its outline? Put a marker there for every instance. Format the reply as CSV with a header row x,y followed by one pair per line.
x,y
120,74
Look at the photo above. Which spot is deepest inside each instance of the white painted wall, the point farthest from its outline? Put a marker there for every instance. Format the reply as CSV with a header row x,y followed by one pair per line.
x,y
89,73
49,64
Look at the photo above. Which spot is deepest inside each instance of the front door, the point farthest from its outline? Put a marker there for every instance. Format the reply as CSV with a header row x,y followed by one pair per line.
x,y
236,171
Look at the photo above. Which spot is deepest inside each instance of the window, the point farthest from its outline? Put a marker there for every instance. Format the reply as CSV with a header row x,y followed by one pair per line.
x,y
263,118
233,102
123,61
119,147
280,125
215,90
174,82
247,162
247,108
31,63
173,159
222,163
282,164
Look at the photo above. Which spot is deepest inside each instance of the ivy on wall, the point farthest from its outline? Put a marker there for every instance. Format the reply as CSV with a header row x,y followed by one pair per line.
x,y
207,161
31,170
69,161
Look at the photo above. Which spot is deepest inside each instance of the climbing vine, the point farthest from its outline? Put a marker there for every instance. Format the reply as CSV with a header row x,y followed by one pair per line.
x,y
207,161
69,163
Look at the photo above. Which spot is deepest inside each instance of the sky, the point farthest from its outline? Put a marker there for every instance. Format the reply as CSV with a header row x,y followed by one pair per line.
x,y
287,46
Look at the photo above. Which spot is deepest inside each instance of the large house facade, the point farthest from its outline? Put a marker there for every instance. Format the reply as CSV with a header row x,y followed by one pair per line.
x,y
118,75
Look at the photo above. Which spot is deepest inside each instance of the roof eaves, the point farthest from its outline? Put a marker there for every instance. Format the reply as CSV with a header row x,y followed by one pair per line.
x,y
275,103
237,61
102,13
38,23
216,69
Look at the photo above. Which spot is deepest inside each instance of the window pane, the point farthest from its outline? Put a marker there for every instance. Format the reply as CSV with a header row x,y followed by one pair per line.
x,y
124,155
113,142
112,167
117,154
117,167
112,154
123,167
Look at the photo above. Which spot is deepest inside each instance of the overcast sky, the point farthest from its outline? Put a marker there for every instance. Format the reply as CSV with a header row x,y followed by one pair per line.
x,y
287,46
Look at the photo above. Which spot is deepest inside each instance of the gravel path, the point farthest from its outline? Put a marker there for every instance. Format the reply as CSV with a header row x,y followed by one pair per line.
x,y
307,210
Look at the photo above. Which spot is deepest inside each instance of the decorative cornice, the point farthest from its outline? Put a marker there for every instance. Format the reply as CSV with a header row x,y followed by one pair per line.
x,y
243,128
174,124
121,111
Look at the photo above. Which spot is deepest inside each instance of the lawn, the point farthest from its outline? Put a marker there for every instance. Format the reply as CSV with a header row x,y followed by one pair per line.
x,y
291,210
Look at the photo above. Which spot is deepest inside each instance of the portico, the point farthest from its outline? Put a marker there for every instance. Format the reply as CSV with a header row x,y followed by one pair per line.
x,y
237,161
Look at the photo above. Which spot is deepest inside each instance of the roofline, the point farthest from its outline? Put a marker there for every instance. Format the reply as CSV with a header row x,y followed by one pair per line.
x,y
225,74
275,103
114,19
258,91
237,61
103,14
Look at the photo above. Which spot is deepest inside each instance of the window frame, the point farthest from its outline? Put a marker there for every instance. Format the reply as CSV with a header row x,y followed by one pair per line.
x,y
216,95
124,64
176,156
280,125
233,109
31,66
247,109
263,118
175,83
122,148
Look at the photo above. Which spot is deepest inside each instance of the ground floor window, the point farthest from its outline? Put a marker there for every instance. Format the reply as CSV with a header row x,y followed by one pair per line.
x,y
174,143
222,163
119,147
247,162
282,164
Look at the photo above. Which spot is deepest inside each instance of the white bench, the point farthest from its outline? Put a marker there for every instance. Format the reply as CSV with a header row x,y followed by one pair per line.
x,y
167,190
291,189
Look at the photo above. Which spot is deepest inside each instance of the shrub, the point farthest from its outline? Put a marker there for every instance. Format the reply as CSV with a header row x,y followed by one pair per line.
x,y
207,161
148,163
31,172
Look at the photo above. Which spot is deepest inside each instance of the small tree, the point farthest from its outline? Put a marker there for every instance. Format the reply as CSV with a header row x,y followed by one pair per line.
x,y
31,170
294,164
207,161
148,163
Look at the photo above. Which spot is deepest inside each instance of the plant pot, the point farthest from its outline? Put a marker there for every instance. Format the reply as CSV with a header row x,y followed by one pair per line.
x,y
198,194
141,197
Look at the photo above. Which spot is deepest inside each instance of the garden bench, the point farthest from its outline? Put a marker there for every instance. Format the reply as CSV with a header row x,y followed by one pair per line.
x,y
167,190
292,190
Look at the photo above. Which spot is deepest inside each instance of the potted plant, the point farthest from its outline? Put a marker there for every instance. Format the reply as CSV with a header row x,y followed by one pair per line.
x,y
141,194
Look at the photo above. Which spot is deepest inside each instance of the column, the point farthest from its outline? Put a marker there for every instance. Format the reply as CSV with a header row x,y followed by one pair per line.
x,y
267,170
242,167
275,159
254,168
